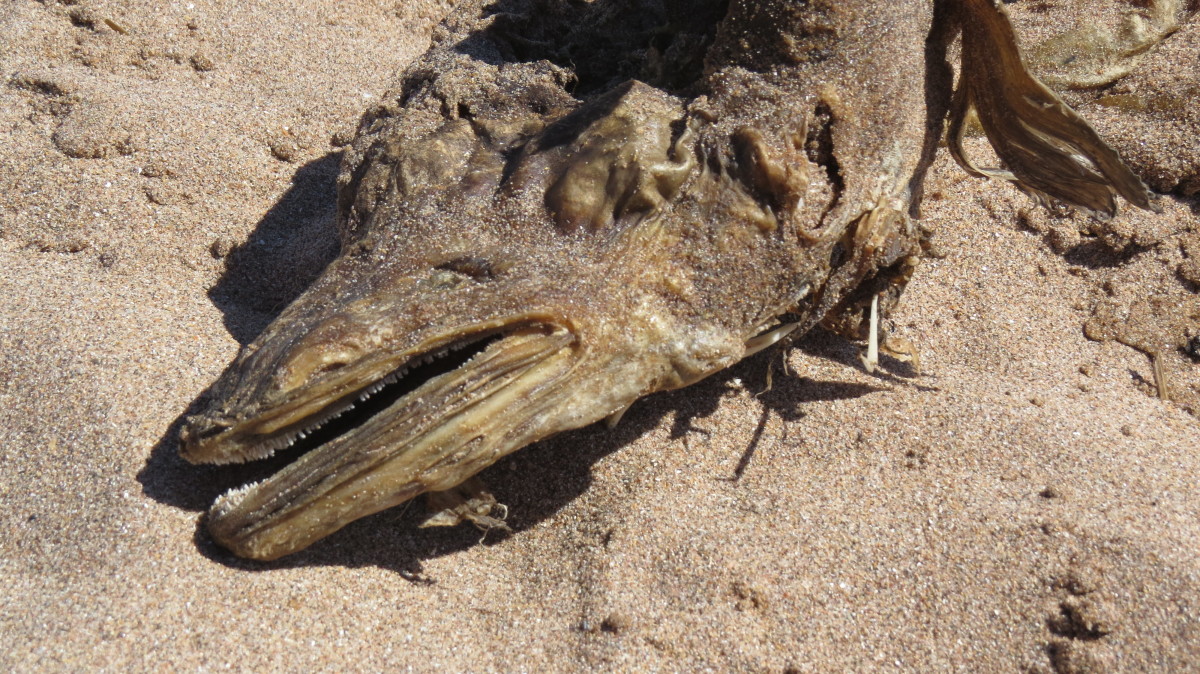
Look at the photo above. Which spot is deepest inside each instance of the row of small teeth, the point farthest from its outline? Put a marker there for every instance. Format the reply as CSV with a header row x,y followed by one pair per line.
x,y
378,386
268,448
399,374
229,500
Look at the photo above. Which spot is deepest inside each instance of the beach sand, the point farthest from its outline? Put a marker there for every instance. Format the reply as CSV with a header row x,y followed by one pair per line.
x,y
1026,501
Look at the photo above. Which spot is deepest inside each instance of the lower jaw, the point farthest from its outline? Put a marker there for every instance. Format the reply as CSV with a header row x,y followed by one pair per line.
x,y
305,502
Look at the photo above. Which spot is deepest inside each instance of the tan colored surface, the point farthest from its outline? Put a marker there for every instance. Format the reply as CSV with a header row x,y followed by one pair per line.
x,y
1027,501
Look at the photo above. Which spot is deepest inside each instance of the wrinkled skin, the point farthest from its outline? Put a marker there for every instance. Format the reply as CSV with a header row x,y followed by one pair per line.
x,y
570,207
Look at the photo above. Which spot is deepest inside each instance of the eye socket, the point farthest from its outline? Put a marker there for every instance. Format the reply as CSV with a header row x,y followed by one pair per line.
x,y
329,367
477,268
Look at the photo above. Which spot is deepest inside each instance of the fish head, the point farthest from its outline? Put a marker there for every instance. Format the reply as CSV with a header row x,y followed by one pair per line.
x,y
471,312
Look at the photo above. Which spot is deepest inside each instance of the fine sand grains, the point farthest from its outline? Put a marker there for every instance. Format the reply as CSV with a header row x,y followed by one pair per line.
x,y
1028,502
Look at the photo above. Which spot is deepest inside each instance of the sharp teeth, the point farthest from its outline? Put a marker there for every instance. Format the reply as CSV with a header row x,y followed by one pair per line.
x,y
268,447
226,502
378,386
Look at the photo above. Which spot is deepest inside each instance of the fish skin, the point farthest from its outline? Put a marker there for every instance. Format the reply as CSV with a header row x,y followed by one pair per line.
x,y
608,231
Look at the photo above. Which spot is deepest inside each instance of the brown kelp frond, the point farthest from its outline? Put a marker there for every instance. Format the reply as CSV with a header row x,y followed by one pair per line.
x,y
1049,150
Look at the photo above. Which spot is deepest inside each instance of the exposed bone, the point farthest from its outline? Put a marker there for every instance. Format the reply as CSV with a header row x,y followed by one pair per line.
x,y
760,342
870,360
1160,377
611,421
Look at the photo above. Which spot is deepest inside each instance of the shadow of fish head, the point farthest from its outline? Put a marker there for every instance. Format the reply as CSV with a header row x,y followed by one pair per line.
x,y
520,258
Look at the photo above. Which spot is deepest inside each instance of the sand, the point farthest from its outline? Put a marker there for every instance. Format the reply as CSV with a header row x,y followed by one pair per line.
x,y
1027,502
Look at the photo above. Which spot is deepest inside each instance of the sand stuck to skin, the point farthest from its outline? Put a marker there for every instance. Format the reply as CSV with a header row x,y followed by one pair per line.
x,y
1026,502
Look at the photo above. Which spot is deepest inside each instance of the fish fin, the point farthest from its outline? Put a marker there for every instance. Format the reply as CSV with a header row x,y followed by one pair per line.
x,y
1049,150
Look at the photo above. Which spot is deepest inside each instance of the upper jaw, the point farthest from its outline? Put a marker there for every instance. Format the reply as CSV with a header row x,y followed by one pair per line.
x,y
233,433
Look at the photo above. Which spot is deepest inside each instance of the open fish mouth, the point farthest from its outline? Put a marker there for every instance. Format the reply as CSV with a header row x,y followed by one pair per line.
x,y
440,417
